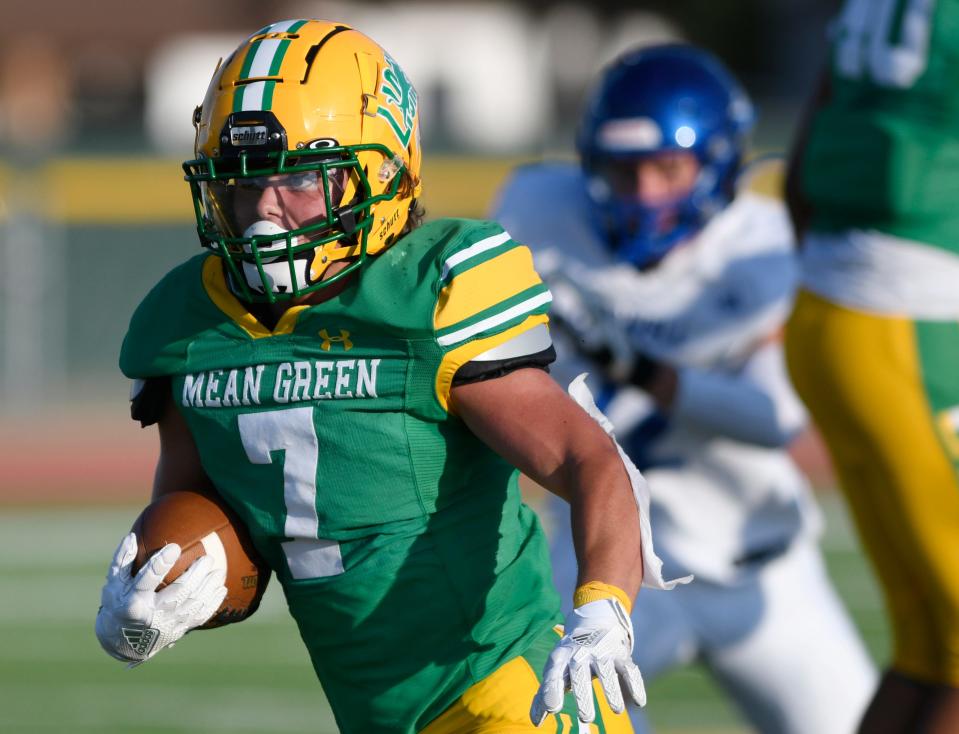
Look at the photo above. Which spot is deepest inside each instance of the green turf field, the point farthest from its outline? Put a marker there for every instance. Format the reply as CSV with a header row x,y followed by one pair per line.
x,y
250,678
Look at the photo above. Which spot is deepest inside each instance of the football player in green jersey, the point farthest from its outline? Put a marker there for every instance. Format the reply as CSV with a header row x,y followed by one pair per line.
x,y
361,389
873,345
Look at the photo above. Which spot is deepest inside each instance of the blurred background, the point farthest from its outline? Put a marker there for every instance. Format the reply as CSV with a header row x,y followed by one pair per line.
x,y
95,109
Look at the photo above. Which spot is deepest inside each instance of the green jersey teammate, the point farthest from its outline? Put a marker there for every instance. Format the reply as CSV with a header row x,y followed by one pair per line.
x,y
873,343
359,389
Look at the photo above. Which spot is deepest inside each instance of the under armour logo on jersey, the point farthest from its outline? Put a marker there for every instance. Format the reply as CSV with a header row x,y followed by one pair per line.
x,y
343,338
141,639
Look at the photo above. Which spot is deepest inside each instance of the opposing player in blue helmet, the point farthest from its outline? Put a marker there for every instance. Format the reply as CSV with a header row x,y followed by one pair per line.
x,y
672,271
674,108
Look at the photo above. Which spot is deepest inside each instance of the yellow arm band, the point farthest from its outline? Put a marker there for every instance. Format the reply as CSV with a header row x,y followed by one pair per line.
x,y
593,590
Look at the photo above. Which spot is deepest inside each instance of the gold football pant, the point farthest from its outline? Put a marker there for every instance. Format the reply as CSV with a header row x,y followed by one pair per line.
x,y
884,392
499,704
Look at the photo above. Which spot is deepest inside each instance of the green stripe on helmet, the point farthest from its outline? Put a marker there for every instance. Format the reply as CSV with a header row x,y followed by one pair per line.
x,y
268,95
238,97
248,61
278,58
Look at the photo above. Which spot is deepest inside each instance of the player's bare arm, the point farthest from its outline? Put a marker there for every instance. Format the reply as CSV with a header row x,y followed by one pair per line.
x,y
178,467
528,419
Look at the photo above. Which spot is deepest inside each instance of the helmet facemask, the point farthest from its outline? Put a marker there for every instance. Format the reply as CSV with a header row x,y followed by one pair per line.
x,y
334,193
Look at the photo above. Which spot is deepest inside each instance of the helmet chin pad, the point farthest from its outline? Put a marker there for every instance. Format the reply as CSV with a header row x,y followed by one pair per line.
x,y
278,276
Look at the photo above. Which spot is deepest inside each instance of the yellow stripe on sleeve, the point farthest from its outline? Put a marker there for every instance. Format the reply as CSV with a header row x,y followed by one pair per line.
x,y
456,358
485,285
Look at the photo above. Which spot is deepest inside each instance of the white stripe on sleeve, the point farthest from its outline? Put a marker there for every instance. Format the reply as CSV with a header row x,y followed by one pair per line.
x,y
472,251
495,320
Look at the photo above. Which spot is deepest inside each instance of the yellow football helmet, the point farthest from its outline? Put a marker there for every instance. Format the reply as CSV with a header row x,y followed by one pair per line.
x,y
307,153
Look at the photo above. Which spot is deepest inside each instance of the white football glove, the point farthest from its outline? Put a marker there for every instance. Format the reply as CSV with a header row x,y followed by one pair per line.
x,y
598,641
135,621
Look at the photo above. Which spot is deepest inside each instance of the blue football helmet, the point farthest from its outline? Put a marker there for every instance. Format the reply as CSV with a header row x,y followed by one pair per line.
x,y
658,98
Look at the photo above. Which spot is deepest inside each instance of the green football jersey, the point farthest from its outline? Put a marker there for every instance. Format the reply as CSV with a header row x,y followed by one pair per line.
x,y
408,560
883,151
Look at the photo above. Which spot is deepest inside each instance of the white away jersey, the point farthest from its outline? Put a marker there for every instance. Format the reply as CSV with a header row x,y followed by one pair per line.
x,y
725,493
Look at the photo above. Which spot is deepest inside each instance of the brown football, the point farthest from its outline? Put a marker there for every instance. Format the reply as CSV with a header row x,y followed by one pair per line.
x,y
204,525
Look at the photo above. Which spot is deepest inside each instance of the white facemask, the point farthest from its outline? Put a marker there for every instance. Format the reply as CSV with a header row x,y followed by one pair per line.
x,y
276,270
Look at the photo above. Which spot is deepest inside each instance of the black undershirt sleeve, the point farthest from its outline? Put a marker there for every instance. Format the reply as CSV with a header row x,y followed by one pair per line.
x,y
487,370
147,405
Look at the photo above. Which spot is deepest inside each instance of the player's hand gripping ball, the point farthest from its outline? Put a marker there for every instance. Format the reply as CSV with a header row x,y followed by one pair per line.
x,y
203,525
188,563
